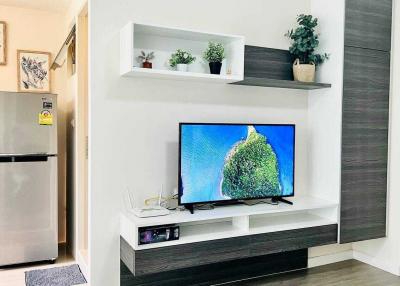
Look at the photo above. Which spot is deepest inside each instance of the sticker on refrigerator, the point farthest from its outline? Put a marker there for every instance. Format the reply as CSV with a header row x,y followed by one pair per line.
x,y
45,118
47,105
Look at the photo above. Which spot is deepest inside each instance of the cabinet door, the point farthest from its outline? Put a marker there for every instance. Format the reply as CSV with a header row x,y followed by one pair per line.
x,y
368,24
364,144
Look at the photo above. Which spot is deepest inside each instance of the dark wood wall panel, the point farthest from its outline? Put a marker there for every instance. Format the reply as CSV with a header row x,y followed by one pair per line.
x,y
364,144
368,24
260,62
216,273
202,253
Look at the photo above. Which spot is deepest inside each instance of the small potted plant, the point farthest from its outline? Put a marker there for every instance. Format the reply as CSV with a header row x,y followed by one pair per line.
x,y
304,42
145,59
181,59
214,55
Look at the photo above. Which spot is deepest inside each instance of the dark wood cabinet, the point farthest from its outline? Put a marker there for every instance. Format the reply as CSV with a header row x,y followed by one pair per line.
x,y
365,119
157,260
220,272
364,144
188,255
368,24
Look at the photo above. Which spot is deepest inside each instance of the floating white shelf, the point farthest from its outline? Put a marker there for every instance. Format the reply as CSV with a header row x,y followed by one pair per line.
x,y
176,75
164,41
233,221
300,204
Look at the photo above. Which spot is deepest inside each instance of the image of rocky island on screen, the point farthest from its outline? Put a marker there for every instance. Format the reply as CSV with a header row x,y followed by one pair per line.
x,y
235,162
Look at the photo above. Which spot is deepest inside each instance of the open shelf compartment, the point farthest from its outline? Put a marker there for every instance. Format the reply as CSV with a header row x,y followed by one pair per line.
x,y
233,221
164,41
273,223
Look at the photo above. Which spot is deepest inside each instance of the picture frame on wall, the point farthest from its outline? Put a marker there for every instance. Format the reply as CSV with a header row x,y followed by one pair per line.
x,y
3,43
33,71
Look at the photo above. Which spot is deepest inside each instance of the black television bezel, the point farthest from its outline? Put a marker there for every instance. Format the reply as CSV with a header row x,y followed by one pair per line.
x,y
180,193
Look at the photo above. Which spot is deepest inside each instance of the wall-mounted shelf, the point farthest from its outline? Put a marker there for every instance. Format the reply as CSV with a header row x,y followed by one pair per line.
x,y
267,82
248,65
233,221
176,75
164,41
272,68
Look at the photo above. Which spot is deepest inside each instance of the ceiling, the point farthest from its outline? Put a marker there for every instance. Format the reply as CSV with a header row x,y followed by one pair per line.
x,y
45,5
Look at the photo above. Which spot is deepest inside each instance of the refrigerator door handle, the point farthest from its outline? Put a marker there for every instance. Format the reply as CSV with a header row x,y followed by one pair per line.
x,y
25,158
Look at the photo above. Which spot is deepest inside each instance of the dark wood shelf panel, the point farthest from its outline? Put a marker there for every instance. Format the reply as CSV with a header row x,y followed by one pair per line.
x,y
272,68
279,83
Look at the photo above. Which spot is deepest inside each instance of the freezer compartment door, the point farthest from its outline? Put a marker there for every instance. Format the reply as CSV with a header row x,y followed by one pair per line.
x,y
21,131
28,209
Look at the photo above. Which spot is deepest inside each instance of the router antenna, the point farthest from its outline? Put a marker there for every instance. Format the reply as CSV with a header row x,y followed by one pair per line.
x,y
129,197
160,195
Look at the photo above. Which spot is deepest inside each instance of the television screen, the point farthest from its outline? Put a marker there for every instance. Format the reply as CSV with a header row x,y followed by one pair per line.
x,y
220,162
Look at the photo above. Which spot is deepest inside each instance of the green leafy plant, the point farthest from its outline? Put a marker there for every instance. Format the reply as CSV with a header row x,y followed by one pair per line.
x,y
215,52
305,41
181,57
143,57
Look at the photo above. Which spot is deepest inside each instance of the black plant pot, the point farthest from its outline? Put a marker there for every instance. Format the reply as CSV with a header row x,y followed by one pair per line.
x,y
215,67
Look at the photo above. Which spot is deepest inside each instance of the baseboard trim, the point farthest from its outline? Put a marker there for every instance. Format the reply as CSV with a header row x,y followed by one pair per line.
x,y
330,258
375,262
80,260
352,254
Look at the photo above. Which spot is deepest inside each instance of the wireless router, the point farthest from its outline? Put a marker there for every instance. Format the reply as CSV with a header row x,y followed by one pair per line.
x,y
148,211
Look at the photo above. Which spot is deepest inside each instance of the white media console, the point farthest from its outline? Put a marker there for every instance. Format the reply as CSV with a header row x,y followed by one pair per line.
x,y
233,221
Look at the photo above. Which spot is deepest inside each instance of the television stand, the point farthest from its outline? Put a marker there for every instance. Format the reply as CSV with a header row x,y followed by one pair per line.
x,y
282,200
232,221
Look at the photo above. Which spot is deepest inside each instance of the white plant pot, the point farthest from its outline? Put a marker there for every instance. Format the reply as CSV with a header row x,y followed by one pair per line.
x,y
182,67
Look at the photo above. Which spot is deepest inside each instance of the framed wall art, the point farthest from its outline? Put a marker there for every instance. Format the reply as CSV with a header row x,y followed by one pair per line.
x,y
33,71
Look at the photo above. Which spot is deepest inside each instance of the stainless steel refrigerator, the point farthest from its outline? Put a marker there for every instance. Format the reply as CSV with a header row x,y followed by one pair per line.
x,y
28,177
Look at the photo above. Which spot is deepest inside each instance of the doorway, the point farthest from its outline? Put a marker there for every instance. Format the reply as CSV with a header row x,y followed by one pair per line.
x,y
82,152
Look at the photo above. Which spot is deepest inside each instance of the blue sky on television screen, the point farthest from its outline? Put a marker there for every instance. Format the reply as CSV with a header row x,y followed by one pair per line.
x,y
223,162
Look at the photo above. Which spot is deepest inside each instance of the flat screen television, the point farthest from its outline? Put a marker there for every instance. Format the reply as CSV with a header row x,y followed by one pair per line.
x,y
234,162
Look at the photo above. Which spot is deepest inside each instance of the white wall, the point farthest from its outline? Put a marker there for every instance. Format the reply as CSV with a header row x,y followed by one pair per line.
x,y
385,253
133,127
325,106
325,115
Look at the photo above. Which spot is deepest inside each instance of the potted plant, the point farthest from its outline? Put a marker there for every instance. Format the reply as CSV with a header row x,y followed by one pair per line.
x,y
304,42
145,59
181,59
214,54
